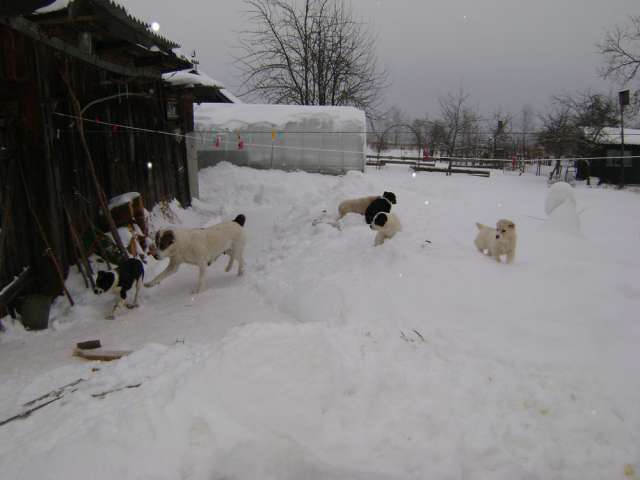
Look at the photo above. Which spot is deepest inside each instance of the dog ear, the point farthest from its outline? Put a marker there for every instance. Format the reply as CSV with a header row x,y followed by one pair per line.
x,y
512,226
166,240
390,196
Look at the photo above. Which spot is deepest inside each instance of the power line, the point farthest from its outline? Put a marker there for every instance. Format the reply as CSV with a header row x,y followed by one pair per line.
x,y
201,139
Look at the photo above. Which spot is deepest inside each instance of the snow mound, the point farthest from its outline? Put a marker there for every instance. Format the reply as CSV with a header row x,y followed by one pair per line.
x,y
560,206
559,193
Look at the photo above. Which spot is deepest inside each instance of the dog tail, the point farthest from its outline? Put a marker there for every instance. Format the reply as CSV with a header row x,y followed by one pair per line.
x,y
240,219
480,226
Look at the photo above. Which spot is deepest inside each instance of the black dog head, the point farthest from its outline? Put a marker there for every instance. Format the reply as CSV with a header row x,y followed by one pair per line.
x,y
380,204
164,239
390,196
240,219
104,282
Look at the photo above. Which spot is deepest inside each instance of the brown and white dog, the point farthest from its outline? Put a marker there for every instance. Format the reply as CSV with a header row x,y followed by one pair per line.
x,y
387,225
200,247
355,205
497,241
360,205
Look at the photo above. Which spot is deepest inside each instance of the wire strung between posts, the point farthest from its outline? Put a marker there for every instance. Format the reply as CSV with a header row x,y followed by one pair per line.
x,y
199,138
289,147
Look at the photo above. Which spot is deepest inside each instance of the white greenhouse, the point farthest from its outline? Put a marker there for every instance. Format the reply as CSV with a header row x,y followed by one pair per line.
x,y
286,137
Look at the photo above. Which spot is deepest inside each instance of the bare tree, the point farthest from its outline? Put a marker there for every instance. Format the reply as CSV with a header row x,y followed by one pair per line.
x,y
621,49
576,122
456,117
309,52
558,133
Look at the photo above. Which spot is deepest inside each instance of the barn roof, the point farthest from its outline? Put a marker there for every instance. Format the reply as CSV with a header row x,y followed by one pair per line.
x,y
611,135
205,89
114,31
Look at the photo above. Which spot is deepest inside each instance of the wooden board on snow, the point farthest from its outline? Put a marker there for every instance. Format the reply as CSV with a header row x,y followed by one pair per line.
x,y
101,354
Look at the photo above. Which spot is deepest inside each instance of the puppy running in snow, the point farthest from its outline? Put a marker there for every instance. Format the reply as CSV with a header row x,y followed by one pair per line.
x,y
387,225
121,280
497,241
360,205
200,247
380,204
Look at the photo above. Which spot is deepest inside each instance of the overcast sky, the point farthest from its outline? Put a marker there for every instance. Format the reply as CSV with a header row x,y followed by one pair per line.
x,y
506,53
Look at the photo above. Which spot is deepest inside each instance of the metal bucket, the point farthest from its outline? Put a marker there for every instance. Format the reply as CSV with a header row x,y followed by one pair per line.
x,y
34,311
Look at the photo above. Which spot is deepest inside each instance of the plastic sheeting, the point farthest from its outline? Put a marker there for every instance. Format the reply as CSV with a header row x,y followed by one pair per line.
x,y
287,137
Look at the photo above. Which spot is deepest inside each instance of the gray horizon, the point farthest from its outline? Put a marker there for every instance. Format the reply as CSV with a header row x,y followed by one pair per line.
x,y
504,54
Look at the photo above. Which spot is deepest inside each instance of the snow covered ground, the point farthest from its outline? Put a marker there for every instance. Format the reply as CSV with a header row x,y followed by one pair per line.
x,y
334,359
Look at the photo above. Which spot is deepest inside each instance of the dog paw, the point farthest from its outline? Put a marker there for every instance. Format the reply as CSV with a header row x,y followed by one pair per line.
x,y
149,285
131,305
109,317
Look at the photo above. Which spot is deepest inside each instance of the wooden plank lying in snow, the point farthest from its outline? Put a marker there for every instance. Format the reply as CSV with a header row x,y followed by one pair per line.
x,y
101,354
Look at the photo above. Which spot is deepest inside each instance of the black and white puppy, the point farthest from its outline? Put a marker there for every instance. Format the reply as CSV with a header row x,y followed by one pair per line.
x,y
387,225
121,280
380,204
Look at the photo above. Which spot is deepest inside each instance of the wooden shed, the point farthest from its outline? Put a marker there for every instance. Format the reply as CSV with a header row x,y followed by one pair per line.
x,y
86,67
611,169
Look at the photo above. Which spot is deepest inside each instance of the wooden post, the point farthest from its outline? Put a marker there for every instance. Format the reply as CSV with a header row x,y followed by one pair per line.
x,y
43,235
82,258
6,209
100,193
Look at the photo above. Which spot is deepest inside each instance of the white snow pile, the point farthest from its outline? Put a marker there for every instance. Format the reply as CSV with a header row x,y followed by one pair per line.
x,y
612,136
560,206
55,6
122,199
190,78
334,359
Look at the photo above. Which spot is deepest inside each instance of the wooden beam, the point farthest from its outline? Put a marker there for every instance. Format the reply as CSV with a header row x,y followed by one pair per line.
x,y
67,20
9,292
32,31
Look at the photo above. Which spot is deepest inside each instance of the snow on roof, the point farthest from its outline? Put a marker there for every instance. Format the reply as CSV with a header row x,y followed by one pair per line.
x,y
230,96
234,116
611,136
191,78
122,199
57,5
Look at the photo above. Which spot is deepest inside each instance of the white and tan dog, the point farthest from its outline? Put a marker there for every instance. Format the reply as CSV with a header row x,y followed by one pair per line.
x,y
200,247
497,241
355,205
387,225
360,205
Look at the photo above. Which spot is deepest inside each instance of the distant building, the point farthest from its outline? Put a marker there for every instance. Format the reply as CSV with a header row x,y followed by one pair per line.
x,y
609,169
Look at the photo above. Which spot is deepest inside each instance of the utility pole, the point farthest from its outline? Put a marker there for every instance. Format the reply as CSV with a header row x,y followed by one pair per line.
x,y
623,96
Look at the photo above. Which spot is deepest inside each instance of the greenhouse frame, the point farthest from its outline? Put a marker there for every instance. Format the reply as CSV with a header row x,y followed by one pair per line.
x,y
286,137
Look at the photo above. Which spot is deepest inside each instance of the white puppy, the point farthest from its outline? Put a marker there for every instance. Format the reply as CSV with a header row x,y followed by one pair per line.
x,y
387,225
201,247
497,241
